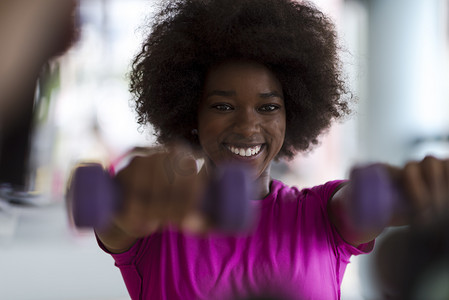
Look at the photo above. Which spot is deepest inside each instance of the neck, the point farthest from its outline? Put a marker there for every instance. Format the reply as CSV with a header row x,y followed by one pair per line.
x,y
262,185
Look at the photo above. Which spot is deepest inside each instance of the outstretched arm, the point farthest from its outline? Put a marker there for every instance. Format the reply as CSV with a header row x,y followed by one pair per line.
x,y
424,185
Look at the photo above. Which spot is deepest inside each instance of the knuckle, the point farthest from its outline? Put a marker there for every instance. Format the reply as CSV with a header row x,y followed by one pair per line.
x,y
433,164
429,157
411,170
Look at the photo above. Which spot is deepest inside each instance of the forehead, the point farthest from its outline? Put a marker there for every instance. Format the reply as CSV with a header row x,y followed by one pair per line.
x,y
241,72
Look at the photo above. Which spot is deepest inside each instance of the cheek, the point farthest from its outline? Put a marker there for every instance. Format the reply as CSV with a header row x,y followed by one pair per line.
x,y
278,128
211,125
206,127
203,125
209,130
278,133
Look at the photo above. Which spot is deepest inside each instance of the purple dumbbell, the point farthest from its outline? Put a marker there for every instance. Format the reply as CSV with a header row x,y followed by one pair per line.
x,y
375,196
94,197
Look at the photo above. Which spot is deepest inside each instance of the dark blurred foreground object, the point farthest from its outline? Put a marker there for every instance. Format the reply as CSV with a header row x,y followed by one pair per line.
x,y
413,263
31,34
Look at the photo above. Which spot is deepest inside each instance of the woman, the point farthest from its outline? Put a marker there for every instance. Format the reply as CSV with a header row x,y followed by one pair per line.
x,y
249,81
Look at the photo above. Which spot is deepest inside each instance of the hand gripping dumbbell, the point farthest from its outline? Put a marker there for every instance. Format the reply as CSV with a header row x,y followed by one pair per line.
x,y
94,196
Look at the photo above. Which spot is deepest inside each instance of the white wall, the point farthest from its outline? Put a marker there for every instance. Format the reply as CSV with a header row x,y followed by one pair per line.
x,y
407,79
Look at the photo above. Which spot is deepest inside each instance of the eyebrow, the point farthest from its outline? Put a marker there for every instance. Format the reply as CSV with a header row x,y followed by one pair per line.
x,y
271,95
233,93
221,93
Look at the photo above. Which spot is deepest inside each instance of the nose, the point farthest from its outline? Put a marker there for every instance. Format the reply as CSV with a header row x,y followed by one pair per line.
x,y
246,122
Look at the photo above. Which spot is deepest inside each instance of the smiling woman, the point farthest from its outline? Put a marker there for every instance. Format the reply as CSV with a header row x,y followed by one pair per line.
x,y
247,81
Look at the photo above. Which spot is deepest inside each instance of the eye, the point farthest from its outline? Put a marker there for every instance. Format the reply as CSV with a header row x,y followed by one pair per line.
x,y
222,107
269,108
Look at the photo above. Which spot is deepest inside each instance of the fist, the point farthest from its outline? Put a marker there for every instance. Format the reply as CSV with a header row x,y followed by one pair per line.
x,y
426,186
161,188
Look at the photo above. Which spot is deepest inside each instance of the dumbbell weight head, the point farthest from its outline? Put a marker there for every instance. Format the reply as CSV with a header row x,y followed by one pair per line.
x,y
93,196
374,196
227,199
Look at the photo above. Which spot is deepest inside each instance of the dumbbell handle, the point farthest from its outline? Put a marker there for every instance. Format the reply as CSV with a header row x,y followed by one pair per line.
x,y
374,197
94,197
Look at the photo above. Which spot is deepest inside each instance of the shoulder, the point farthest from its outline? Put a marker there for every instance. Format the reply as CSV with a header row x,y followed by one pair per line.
x,y
328,189
281,191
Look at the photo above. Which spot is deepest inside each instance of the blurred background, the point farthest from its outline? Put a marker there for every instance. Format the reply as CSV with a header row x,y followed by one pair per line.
x,y
63,102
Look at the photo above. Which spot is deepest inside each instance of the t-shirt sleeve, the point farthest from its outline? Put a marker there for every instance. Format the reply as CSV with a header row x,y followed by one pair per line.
x,y
126,262
326,192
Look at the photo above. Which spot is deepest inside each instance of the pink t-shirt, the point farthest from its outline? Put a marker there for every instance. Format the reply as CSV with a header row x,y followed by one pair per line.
x,y
294,251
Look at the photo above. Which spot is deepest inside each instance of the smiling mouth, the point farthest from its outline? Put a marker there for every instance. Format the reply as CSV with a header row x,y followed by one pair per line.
x,y
245,151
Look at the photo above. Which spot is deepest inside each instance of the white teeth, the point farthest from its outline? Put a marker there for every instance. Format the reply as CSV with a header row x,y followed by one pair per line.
x,y
245,151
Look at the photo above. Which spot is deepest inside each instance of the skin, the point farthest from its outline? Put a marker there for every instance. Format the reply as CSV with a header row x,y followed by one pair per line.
x,y
242,106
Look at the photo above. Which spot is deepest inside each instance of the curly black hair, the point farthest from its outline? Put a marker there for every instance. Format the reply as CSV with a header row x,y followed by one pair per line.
x,y
295,40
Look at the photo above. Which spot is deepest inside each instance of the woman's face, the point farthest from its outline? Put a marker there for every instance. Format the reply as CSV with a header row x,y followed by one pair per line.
x,y
241,115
